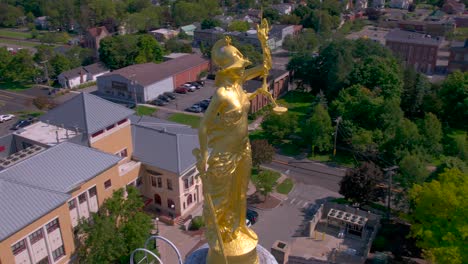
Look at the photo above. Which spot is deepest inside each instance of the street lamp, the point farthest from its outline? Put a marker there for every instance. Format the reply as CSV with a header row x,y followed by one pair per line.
x,y
172,214
157,226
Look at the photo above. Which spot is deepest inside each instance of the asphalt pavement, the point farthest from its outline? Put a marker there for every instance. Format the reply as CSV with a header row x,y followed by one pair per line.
x,y
309,172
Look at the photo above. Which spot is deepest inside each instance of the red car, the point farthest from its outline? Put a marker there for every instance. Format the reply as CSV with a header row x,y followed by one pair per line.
x,y
181,90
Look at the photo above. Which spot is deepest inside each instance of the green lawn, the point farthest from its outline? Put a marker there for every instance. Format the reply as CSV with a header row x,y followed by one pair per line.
x,y
298,103
14,34
342,158
285,187
14,86
27,114
144,110
19,43
193,121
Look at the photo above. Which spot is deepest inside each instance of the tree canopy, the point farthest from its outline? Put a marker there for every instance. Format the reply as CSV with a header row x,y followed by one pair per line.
x,y
116,230
262,152
318,129
439,217
360,185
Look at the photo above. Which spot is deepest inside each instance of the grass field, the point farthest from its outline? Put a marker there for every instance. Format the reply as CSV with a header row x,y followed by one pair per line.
x,y
25,44
14,34
193,121
144,110
285,187
14,86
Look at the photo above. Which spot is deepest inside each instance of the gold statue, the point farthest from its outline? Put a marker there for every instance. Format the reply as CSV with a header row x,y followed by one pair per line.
x,y
223,130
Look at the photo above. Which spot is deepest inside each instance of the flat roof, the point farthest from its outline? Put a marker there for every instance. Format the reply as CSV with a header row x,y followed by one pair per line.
x,y
47,134
369,32
413,37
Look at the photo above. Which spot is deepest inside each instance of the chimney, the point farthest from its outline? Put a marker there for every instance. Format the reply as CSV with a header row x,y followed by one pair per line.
x,y
66,133
57,136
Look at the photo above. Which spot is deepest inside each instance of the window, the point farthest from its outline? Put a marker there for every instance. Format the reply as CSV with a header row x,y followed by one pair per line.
x,y
82,198
97,133
44,261
191,181
110,127
169,184
157,199
122,121
153,172
71,204
52,225
56,254
139,181
189,199
153,181
107,184
170,204
159,182
186,183
92,192
18,247
123,153
36,236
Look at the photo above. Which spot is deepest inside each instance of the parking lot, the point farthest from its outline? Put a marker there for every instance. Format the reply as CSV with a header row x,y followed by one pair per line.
x,y
184,101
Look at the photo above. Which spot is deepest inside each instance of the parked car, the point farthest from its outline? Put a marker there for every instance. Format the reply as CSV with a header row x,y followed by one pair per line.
x,y
163,98
191,88
197,85
4,118
252,216
194,109
159,102
181,90
170,95
21,124
204,103
248,223
202,83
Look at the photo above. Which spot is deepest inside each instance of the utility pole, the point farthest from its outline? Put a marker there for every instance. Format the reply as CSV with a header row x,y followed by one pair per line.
x,y
389,172
338,120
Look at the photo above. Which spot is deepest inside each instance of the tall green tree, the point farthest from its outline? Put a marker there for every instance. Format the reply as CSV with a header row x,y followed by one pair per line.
x,y
439,217
238,25
149,50
208,23
118,51
262,152
265,182
119,227
454,94
431,133
9,15
21,68
413,170
278,127
318,129
5,58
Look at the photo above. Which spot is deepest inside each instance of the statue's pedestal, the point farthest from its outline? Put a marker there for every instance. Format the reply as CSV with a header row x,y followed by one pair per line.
x,y
199,256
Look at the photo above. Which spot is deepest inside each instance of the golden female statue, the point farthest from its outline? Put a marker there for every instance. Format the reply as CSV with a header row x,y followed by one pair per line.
x,y
223,130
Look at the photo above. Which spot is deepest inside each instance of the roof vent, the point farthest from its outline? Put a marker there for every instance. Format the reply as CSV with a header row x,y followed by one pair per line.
x,y
20,156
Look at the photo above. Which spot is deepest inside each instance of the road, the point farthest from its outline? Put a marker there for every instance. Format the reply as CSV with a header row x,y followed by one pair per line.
x,y
309,172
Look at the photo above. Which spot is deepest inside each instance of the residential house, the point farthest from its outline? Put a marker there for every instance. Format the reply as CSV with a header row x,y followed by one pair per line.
x,y
458,59
92,38
169,175
378,4
278,84
83,74
188,29
41,22
401,4
148,80
453,7
417,50
164,34
59,170
283,9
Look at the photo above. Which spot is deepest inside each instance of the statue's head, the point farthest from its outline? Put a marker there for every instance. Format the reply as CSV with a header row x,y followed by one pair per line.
x,y
226,56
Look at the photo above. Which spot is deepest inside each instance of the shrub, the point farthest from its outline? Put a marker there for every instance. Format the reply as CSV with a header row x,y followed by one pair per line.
x,y
197,223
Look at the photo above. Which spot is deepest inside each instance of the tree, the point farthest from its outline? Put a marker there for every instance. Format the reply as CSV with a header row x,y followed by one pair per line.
x,y
42,102
431,133
265,182
306,42
119,227
5,58
290,20
9,15
21,68
454,95
413,169
439,217
59,64
262,152
279,126
238,25
175,45
415,88
360,185
271,15
208,23
149,50
318,129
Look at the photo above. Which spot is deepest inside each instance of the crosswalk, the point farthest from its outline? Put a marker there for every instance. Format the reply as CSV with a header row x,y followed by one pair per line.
x,y
297,202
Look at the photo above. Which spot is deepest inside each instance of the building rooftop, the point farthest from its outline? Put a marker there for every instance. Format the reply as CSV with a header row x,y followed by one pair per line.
x,y
164,144
87,113
96,31
149,73
61,168
22,204
413,37
46,134
370,32
96,68
74,73
175,55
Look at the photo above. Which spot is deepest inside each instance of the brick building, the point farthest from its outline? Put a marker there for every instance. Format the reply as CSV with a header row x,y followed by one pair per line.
x,y
417,50
60,170
92,38
458,59
148,80
278,82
